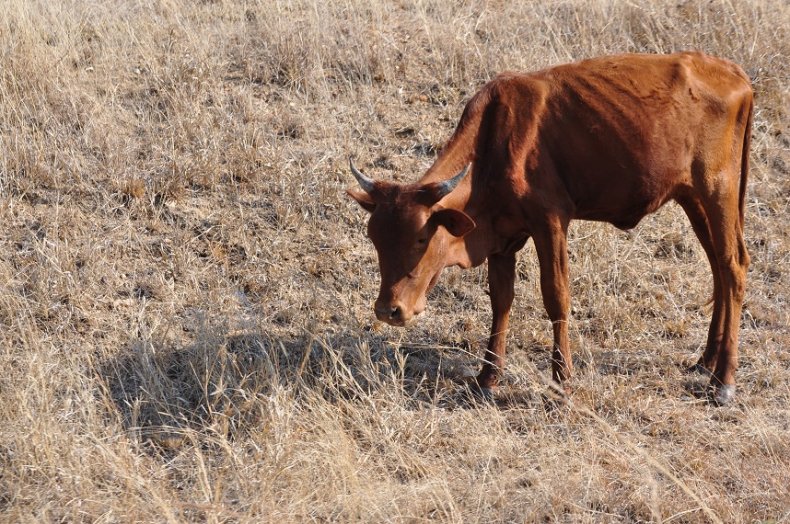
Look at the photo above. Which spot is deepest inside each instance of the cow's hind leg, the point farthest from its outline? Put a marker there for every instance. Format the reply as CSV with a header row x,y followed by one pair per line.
x,y
733,261
700,224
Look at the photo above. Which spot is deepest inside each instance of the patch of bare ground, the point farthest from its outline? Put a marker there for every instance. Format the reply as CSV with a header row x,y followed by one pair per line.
x,y
186,330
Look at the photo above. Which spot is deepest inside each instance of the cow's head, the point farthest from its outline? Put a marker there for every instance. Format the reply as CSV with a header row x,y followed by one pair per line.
x,y
415,239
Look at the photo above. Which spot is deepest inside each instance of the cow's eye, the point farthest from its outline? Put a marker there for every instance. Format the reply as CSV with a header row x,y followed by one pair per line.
x,y
422,241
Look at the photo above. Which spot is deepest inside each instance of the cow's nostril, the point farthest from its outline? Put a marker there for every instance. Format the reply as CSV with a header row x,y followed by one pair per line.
x,y
391,313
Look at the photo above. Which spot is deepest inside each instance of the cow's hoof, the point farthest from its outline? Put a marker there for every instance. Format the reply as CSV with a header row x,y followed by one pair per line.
x,y
724,394
487,394
482,393
700,369
556,397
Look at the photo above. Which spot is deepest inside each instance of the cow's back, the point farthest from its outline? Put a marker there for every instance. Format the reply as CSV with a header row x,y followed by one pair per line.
x,y
622,133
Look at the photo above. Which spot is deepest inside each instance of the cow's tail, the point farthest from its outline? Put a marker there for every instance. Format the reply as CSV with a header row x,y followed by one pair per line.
x,y
743,253
747,141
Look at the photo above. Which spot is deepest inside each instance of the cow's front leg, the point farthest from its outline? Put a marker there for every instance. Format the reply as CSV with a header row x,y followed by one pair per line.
x,y
501,278
551,246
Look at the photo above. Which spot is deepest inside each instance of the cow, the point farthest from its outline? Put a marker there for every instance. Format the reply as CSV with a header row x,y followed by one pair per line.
x,y
608,139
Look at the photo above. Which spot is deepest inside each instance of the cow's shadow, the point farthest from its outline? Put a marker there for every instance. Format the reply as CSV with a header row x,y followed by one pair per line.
x,y
226,381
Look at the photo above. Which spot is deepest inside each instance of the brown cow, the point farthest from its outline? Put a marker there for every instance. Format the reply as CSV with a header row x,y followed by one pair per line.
x,y
609,139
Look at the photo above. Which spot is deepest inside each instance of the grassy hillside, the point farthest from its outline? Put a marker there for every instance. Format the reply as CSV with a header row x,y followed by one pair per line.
x,y
186,330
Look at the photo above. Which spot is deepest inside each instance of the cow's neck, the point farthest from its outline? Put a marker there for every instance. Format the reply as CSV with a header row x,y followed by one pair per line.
x,y
473,249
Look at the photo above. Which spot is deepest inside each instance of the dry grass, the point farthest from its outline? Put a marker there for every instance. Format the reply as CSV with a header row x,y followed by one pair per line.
x,y
185,292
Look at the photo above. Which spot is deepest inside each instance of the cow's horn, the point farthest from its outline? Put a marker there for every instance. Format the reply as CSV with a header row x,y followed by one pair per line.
x,y
365,183
443,188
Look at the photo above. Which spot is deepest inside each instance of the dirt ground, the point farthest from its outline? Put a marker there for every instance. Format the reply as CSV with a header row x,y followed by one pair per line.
x,y
186,324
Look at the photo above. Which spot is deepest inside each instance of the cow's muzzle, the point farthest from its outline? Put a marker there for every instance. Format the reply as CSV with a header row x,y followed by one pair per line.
x,y
393,314
390,314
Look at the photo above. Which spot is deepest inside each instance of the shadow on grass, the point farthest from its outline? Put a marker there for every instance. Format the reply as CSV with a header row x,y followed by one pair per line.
x,y
225,381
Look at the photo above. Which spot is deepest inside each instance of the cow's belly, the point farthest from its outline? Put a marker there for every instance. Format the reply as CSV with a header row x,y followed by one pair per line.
x,y
623,203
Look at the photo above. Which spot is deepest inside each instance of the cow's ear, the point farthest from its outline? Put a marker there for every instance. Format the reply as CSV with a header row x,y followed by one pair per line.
x,y
456,222
363,198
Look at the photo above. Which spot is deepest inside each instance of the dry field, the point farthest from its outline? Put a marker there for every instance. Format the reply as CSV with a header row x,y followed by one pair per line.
x,y
186,330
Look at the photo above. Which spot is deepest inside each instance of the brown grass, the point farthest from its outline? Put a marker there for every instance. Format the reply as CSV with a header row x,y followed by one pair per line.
x,y
185,292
